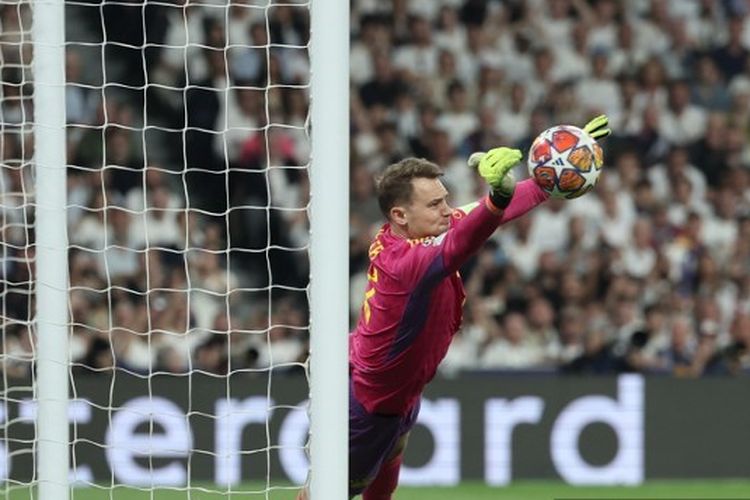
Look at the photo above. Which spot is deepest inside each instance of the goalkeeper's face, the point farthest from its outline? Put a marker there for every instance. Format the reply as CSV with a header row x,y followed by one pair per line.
x,y
428,213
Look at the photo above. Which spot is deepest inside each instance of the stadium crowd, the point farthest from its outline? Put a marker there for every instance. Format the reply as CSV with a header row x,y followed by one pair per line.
x,y
188,186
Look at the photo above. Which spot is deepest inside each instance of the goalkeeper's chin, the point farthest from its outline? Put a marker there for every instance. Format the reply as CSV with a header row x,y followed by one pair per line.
x,y
430,230
441,228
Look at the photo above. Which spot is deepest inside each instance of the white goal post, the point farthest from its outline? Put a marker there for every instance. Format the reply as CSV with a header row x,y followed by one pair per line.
x,y
146,430
52,379
329,252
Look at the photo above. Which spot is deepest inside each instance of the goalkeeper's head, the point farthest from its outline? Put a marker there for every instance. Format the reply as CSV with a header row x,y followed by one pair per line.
x,y
413,198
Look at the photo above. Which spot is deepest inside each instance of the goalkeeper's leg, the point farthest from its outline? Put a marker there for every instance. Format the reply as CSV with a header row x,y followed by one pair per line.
x,y
375,442
385,483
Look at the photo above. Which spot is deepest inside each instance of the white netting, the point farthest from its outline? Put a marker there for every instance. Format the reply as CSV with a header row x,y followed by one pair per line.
x,y
17,240
188,189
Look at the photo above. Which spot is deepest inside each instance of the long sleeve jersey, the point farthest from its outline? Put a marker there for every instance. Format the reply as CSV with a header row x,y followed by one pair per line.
x,y
413,303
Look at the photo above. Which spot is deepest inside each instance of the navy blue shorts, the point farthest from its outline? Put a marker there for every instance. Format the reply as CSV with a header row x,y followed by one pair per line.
x,y
372,438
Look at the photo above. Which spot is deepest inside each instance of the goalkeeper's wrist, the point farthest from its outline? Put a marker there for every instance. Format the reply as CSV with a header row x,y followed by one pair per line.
x,y
500,199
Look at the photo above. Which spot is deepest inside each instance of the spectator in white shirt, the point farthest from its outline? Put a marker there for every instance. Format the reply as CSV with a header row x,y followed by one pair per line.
x,y
627,56
574,62
681,122
418,59
515,350
617,218
549,226
458,120
639,256
676,165
719,231
683,202
451,34
513,119
599,93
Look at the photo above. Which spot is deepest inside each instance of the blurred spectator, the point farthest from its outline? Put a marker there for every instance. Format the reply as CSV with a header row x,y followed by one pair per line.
x,y
210,356
681,122
458,120
513,118
569,345
515,349
639,257
710,91
648,345
731,58
79,98
417,59
678,357
597,357
385,85
210,284
599,93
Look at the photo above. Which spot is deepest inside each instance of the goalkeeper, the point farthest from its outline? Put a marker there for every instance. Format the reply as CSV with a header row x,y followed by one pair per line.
x,y
413,303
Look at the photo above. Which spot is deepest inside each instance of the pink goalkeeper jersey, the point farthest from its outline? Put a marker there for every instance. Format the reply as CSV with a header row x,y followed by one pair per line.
x,y
413,304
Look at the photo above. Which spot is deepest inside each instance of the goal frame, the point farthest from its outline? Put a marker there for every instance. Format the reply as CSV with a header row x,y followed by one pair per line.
x,y
329,259
50,199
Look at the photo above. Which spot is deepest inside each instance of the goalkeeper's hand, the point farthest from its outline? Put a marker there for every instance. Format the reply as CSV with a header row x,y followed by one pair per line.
x,y
495,167
598,127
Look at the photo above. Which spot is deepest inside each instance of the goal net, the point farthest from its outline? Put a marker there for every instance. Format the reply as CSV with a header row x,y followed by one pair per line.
x,y
187,197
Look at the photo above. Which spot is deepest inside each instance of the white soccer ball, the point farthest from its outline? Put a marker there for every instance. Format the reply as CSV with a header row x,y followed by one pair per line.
x,y
565,161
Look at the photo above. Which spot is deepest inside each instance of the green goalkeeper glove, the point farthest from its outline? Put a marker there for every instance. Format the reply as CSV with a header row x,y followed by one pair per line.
x,y
495,167
598,127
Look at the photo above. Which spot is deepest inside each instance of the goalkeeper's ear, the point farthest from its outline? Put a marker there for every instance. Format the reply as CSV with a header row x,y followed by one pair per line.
x,y
598,127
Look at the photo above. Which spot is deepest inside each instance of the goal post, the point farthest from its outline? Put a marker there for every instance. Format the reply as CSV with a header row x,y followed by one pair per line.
x,y
52,378
329,281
